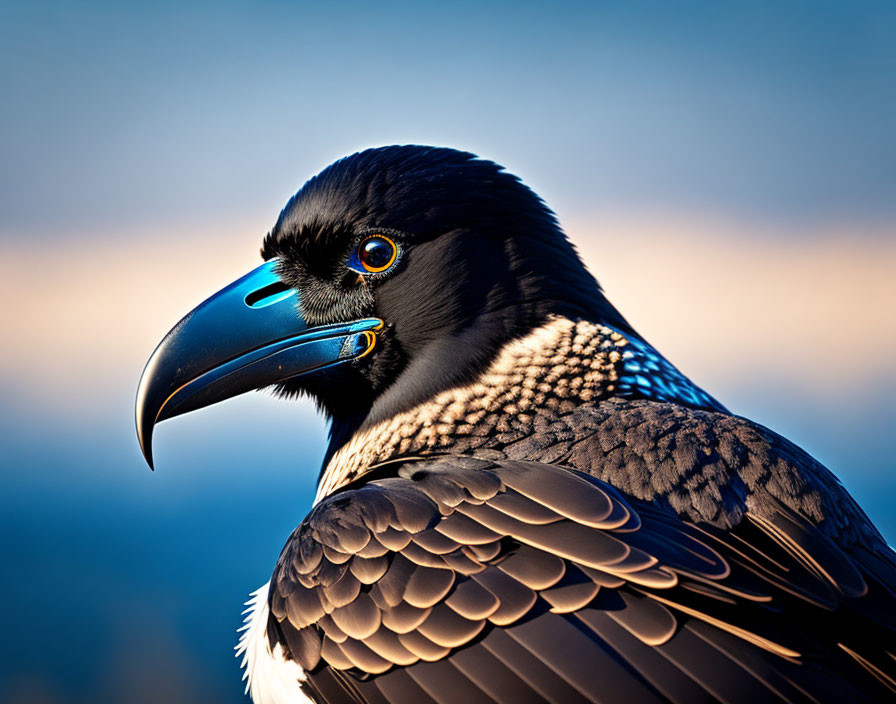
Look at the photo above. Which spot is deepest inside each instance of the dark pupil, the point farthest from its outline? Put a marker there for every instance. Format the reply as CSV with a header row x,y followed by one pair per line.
x,y
376,253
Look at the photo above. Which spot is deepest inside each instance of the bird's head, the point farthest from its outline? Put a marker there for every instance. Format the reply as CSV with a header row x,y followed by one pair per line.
x,y
393,274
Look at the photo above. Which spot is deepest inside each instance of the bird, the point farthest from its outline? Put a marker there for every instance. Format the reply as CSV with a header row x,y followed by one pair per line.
x,y
521,500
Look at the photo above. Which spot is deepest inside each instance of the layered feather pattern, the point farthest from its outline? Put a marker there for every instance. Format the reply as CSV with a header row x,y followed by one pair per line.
x,y
521,581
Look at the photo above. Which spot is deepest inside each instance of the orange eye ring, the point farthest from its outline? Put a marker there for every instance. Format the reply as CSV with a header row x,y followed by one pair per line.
x,y
373,257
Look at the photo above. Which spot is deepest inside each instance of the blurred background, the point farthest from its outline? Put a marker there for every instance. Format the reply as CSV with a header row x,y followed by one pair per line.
x,y
728,172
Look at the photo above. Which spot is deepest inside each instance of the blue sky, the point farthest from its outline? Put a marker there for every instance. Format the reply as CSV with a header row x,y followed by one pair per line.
x,y
180,110
727,170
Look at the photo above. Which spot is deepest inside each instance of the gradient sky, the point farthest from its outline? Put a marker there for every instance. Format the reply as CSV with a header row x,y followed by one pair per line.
x,y
120,115
728,172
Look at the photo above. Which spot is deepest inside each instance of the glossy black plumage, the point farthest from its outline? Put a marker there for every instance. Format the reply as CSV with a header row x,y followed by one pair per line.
x,y
523,501
486,262
743,570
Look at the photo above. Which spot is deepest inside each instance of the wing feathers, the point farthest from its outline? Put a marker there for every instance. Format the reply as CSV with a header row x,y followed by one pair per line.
x,y
531,669
573,655
565,590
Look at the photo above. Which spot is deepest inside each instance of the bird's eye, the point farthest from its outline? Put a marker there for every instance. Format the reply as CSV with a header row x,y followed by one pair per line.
x,y
374,255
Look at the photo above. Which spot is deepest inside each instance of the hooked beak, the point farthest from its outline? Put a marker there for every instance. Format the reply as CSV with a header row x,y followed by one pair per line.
x,y
247,336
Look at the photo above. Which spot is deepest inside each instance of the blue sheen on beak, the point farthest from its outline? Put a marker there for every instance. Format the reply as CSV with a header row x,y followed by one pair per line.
x,y
247,336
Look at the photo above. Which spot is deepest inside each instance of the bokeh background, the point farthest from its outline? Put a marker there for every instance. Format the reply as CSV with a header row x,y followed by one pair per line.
x,y
727,170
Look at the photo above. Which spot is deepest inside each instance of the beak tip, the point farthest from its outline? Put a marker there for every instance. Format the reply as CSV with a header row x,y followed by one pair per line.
x,y
144,439
146,449
146,415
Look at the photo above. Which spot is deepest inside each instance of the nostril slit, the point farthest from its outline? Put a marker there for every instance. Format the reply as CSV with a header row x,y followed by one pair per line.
x,y
268,295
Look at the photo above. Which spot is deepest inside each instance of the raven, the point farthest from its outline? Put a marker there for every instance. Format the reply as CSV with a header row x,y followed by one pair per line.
x,y
522,500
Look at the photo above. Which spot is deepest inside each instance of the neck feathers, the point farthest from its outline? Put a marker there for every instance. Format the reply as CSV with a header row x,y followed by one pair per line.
x,y
550,372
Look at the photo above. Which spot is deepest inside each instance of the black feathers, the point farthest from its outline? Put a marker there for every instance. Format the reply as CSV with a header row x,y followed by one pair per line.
x,y
524,501
483,262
